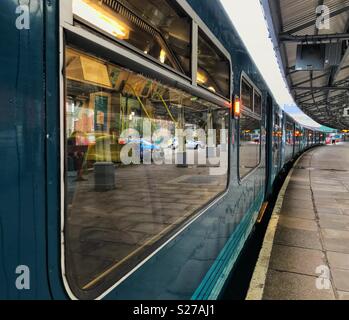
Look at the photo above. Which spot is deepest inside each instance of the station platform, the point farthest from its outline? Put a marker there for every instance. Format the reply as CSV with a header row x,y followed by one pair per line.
x,y
305,254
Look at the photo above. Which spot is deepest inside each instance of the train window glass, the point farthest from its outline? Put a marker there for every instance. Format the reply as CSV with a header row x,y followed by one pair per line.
x,y
131,180
246,94
289,133
257,103
213,67
250,144
157,28
298,137
277,139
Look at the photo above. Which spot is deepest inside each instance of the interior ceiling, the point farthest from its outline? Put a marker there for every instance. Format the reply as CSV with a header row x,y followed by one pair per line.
x,y
322,95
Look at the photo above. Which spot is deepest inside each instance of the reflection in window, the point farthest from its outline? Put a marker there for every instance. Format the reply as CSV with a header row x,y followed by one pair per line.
x,y
118,213
310,136
246,95
277,139
250,143
257,103
298,138
159,28
289,133
213,67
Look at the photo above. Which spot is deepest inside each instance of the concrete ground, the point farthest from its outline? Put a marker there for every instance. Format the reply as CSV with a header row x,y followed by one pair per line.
x,y
310,254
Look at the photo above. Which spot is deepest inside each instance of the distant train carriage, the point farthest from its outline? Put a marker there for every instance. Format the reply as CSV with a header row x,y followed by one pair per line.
x,y
100,199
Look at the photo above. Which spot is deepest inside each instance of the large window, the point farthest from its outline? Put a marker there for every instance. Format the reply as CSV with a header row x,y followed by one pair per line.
x,y
213,67
158,28
141,159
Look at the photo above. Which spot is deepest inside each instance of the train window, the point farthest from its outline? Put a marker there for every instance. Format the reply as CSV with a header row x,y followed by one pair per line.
x,y
250,144
131,180
298,137
289,133
277,139
246,94
257,103
159,28
213,67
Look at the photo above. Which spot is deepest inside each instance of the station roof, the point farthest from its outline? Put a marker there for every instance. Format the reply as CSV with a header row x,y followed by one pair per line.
x,y
321,94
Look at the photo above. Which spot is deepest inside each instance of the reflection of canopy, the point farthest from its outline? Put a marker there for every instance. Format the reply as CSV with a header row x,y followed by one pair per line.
x,y
249,124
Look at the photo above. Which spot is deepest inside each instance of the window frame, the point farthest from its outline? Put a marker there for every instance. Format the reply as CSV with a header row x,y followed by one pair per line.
x,y
196,25
220,53
250,113
129,46
81,39
257,92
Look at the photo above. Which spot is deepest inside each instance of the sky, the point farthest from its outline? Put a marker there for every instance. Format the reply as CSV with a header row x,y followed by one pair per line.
x,y
257,40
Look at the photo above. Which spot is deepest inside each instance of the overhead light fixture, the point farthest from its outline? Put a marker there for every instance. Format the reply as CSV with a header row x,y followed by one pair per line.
x,y
162,56
201,78
99,17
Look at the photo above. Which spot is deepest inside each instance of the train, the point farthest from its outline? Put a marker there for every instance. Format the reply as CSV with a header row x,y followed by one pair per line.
x,y
140,144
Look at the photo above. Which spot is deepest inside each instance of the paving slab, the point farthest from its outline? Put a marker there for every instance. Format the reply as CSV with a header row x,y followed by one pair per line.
x,y
341,279
298,238
336,240
342,295
338,260
293,286
291,259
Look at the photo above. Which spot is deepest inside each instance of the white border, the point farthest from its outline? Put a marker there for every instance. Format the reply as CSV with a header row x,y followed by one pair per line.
x,y
66,22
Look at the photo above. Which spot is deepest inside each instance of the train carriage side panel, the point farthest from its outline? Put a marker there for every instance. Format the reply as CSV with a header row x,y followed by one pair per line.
x,y
22,138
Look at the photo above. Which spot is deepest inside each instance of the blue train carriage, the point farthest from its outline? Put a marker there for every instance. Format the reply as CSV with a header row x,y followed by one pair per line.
x,y
82,81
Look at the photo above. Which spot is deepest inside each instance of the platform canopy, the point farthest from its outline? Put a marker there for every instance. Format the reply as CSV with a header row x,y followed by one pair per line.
x,y
311,39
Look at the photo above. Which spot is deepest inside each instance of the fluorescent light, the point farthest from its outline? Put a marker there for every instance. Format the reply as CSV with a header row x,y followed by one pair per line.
x,y
100,18
162,56
201,78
